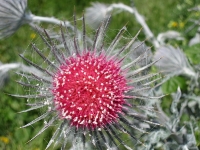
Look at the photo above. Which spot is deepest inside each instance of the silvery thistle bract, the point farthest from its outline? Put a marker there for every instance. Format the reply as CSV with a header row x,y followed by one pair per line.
x,y
173,62
140,49
93,17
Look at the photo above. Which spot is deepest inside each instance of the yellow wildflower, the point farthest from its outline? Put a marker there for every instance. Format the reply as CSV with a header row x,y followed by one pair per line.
x,y
33,35
173,24
4,139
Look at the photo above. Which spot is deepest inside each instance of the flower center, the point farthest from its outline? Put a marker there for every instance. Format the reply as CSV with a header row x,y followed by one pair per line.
x,y
89,90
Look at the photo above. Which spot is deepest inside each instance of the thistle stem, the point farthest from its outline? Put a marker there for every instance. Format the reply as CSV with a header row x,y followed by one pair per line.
x,y
51,20
139,19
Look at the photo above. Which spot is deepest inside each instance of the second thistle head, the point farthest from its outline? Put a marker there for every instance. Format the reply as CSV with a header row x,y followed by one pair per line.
x,y
13,14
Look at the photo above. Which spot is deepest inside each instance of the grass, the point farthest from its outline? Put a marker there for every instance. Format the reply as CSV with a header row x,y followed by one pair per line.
x,y
158,15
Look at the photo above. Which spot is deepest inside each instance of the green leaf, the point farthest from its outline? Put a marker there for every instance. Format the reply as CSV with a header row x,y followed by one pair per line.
x,y
22,135
193,53
171,85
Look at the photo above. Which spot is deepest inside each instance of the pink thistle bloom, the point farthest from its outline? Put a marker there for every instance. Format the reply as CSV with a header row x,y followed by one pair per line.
x,y
88,92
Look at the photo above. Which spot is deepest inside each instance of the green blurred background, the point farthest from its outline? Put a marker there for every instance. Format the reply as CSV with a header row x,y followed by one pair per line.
x,y
160,15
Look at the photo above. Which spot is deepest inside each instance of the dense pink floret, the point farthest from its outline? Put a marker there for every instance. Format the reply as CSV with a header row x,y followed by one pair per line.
x,y
89,90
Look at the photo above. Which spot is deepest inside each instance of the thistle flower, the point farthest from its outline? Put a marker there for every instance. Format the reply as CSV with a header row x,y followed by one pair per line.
x,y
173,62
86,91
13,14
